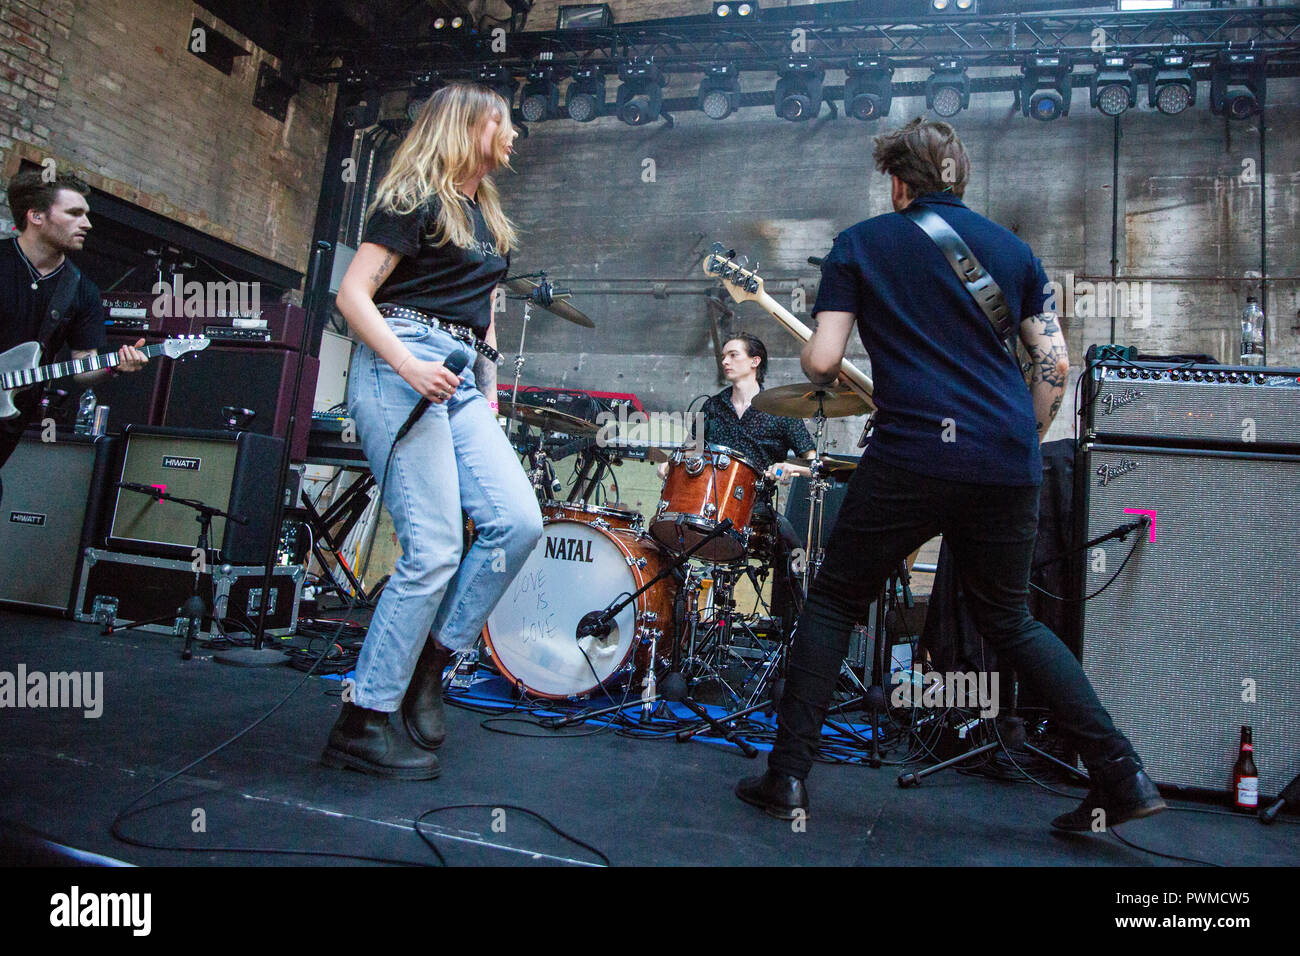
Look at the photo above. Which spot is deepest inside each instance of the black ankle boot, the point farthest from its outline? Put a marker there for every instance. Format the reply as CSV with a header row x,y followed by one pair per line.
x,y
778,794
366,740
422,706
1131,796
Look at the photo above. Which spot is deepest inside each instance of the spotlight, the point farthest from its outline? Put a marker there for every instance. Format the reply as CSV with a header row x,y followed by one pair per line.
x,y
641,94
947,90
1114,88
585,99
798,91
541,97
746,10
868,89
952,6
498,78
1237,84
720,91
447,25
1172,88
1045,87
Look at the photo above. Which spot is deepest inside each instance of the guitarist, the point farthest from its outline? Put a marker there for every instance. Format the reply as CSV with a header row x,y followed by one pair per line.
x,y
955,452
36,277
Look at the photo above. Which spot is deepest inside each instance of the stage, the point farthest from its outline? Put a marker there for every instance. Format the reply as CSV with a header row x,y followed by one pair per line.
x,y
639,802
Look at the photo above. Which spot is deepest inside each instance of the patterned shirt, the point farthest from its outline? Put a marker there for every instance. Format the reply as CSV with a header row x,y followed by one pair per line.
x,y
760,437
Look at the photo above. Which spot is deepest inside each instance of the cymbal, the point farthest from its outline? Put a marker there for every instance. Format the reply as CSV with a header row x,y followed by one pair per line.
x,y
547,419
557,306
838,467
801,401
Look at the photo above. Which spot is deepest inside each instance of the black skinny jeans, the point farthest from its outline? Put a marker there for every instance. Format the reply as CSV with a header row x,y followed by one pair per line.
x,y
887,514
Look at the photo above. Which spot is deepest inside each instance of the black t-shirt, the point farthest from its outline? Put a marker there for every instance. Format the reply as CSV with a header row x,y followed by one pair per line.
x,y
446,281
22,311
760,437
950,402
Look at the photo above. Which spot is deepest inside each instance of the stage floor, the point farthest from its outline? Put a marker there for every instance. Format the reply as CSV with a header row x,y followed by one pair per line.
x,y
640,802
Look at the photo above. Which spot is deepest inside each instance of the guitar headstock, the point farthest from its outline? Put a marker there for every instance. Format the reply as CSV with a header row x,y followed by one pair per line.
x,y
742,283
174,348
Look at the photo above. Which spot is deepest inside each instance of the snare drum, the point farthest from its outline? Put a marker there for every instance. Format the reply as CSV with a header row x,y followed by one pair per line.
x,y
619,519
703,488
579,567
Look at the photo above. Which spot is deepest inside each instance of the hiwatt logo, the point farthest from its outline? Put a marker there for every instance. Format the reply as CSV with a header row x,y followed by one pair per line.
x,y
185,464
27,517
76,689
77,909
568,549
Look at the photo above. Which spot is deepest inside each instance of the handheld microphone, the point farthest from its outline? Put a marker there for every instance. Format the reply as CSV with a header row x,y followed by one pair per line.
x,y
454,363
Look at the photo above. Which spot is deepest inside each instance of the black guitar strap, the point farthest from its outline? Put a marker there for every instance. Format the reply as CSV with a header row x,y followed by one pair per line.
x,y
56,316
977,280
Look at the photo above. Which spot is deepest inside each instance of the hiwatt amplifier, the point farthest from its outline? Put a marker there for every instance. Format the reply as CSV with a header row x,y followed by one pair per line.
x,y
55,499
1222,405
237,472
1197,634
279,324
121,589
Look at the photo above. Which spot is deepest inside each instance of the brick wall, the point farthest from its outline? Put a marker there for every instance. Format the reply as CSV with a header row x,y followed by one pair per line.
x,y
109,87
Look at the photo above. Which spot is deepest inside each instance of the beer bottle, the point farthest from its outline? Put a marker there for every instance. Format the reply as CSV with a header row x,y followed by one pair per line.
x,y
1245,778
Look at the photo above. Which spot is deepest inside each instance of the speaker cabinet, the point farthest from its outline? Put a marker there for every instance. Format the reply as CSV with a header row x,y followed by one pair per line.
x,y
237,472
135,399
1198,634
796,508
260,379
55,496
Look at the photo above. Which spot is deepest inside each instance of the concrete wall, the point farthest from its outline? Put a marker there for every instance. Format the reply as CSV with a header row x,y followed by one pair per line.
x,y
110,87
1189,214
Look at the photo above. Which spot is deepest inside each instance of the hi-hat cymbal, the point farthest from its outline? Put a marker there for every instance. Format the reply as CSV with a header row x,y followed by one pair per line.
x,y
555,306
803,401
840,468
547,419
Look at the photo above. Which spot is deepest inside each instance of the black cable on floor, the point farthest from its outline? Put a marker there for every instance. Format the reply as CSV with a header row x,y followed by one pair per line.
x,y
502,806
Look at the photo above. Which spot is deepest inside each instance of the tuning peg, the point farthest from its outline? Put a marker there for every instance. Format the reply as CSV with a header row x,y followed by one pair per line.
x,y
731,253
743,262
755,265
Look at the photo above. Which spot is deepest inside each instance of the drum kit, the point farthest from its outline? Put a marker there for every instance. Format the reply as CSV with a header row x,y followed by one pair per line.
x,y
610,599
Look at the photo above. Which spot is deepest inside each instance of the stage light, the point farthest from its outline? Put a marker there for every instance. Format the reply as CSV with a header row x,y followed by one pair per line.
x,y
540,99
583,16
498,78
1172,88
1113,88
446,25
746,10
1237,84
868,89
641,94
798,91
952,6
1045,87
720,91
422,87
585,99
947,90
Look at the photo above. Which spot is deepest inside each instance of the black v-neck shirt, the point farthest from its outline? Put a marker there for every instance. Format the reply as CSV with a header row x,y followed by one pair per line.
x,y
449,282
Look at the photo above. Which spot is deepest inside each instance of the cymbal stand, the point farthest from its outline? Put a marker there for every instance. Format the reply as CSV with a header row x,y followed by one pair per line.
x,y
519,364
817,485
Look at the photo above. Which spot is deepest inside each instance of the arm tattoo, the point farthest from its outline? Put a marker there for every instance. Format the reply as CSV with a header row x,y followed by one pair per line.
x,y
381,273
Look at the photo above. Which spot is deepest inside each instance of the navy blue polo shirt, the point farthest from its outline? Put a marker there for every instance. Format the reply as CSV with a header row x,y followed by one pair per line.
x,y
951,402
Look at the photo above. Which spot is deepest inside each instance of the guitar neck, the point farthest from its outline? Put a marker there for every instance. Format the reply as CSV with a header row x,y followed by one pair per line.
x,y
856,378
45,373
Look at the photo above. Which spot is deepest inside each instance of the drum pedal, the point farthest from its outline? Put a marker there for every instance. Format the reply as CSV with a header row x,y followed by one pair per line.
x,y
462,677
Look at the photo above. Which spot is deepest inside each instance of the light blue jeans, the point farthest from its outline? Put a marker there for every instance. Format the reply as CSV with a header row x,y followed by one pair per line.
x,y
456,457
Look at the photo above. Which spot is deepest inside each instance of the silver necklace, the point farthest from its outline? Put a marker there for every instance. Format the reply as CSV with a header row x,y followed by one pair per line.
x,y
36,276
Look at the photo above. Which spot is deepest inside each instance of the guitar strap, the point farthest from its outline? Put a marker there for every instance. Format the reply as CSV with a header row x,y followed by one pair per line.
x,y
977,280
56,316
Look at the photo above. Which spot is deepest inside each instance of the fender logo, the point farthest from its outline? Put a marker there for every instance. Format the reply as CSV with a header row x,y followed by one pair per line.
x,y
1110,401
1108,473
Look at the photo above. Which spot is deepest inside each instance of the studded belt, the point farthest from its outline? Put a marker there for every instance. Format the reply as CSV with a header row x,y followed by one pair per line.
x,y
461,332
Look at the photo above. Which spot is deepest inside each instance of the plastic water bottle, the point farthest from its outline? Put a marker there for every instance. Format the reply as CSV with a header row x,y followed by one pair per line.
x,y
1252,333
86,413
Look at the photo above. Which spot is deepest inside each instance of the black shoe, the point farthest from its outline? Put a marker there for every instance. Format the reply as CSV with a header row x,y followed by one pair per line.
x,y
366,740
1129,798
777,794
422,706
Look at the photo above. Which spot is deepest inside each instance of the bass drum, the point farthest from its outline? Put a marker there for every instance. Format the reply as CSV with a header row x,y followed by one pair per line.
x,y
577,568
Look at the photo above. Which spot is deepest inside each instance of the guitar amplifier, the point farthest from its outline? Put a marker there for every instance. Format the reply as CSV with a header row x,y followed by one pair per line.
x,y
137,398
1226,405
1197,635
55,497
279,324
125,588
133,314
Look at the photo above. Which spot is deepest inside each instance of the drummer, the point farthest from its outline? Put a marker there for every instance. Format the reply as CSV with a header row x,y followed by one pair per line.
x,y
765,440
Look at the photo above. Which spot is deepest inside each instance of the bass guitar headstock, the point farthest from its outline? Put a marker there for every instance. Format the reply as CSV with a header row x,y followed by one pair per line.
x,y
742,283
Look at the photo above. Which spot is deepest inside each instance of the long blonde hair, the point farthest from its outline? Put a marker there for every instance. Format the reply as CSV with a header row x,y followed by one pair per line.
x,y
441,150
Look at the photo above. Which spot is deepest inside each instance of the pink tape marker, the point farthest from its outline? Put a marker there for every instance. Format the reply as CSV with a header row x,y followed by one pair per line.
x,y
1143,511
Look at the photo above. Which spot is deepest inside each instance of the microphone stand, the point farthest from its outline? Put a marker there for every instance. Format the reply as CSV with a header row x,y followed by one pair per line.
x,y
195,609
